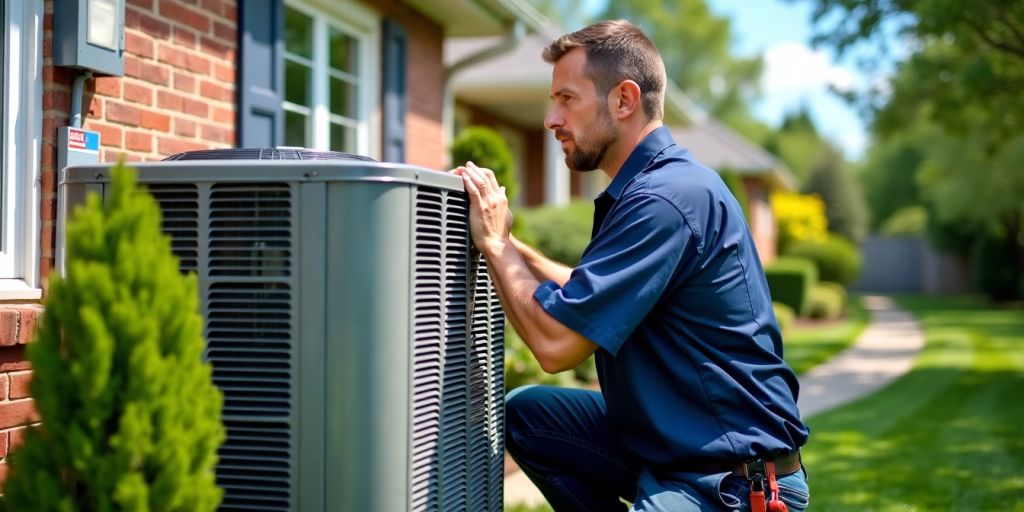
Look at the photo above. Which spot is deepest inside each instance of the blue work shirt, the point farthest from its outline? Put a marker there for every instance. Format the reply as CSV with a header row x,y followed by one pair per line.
x,y
671,290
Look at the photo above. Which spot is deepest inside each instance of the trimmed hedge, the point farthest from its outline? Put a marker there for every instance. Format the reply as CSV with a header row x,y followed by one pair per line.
x,y
559,232
836,258
827,301
785,316
486,148
790,280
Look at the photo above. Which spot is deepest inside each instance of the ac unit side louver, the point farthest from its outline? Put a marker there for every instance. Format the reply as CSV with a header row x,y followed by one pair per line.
x,y
352,328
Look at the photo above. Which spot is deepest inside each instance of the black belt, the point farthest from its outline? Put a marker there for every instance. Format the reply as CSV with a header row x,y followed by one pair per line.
x,y
784,465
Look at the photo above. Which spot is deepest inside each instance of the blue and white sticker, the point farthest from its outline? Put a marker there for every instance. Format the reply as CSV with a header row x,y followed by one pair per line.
x,y
83,140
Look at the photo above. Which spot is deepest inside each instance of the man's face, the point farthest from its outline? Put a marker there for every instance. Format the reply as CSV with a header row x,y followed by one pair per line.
x,y
579,116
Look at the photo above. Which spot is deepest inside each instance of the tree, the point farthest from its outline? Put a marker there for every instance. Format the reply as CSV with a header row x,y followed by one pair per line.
x,y
130,416
695,45
798,144
845,207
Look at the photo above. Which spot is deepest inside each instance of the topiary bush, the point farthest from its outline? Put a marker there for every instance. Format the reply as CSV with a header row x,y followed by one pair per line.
x,y
836,258
486,148
130,416
785,316
827,301
790,280
559,232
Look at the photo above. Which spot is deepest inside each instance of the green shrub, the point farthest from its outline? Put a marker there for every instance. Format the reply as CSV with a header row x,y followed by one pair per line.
x,y
785,316
798,218
836,258
790,280
486,148
827,301
130,416
907,221
734,182
560,233
993,269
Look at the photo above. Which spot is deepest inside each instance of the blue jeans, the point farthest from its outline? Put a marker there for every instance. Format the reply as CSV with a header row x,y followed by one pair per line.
x,y
562,440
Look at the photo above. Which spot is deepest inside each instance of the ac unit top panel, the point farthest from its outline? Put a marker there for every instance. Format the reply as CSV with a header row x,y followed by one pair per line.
x,y
221,171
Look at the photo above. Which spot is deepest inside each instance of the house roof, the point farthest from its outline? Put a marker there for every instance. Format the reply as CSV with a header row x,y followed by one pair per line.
x,y
719,147
467,18
516,84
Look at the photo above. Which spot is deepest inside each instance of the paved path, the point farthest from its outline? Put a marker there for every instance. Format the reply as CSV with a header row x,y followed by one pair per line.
x,y
884,351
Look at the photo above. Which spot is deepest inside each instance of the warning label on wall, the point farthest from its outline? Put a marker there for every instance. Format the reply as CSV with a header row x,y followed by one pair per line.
x,y
83,140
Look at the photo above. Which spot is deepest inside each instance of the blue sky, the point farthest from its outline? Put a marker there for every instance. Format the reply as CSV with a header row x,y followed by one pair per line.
x,y
794,73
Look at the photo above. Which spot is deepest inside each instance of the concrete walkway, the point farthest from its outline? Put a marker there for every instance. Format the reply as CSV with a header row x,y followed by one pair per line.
x,y
884,351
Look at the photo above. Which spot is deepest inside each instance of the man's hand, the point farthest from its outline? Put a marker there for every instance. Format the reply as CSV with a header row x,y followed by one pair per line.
x,y
489,216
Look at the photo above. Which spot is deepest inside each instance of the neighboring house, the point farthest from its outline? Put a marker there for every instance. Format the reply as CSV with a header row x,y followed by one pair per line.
x,y
364,76
720,148
510,94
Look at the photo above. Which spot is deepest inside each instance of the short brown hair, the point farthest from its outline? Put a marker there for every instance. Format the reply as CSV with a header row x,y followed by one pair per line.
x,y
616,51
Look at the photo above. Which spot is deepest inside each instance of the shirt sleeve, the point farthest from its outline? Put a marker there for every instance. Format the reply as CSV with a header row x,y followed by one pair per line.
x,y
623,273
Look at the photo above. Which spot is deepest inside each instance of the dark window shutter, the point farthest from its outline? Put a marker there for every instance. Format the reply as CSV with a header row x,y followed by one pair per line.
x,y
261,73
394,91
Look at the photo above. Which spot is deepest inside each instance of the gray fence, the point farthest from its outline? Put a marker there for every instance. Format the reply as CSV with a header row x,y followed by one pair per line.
x,y
908,265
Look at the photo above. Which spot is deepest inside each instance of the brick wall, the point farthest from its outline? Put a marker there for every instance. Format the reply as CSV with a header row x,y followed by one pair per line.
x,y
17,410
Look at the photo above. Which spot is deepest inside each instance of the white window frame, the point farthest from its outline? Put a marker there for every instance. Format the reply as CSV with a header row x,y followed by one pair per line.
x,y
22,135
364,26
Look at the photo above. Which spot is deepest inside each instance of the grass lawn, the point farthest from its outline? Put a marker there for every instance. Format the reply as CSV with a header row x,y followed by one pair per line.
x,y
807,347
948,436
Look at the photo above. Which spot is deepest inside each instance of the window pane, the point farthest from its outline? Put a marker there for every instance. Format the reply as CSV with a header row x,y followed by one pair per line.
x,y
295,129
343,98
298,33
297,82
343,51
343,138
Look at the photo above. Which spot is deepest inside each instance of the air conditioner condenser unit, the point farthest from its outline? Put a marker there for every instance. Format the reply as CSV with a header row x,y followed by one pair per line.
x,y
352,328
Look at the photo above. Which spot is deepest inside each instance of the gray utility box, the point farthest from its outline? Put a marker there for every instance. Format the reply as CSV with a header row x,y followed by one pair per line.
x,y
354,332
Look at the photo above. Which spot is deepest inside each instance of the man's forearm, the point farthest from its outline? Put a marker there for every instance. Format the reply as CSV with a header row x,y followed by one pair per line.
x,y
555,346
542,267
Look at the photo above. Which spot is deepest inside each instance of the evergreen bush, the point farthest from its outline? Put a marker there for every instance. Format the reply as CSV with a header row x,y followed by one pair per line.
x,y
559,232
130,416
790,280
837,259
827,301
785,316
486,148
845,205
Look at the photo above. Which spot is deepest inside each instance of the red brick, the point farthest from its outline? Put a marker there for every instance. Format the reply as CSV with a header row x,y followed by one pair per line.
x,y
18,413
213,91
196,108
156,121
184,15
47,47
138,94
157,75
142,4
132,66
3,472
120,113
45,235
17,436
139,141
109,135
184,128
184,83
48,154
198,64
48,208
20,385
48,21
154,27
224,73
4,385
216,133
223,115
13,358
29,319
230,12
172,55
139,45
108,86
49,181
56,75
169,100
95,107
169,146
225,32
217,49
8,327
184,37
56,100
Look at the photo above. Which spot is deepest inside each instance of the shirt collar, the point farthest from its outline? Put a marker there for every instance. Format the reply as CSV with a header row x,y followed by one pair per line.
x,y
652,145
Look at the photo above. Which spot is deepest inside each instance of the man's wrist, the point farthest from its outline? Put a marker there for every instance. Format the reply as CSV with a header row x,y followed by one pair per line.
x,y
493,248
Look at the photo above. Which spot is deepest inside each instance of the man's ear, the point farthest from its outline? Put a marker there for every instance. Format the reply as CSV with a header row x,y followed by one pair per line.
x,y
626,99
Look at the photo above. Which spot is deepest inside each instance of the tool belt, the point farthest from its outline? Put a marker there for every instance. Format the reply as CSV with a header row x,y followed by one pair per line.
x,y
762,475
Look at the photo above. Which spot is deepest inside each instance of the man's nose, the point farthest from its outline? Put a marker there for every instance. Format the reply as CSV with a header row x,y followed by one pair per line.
x,y
553,120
